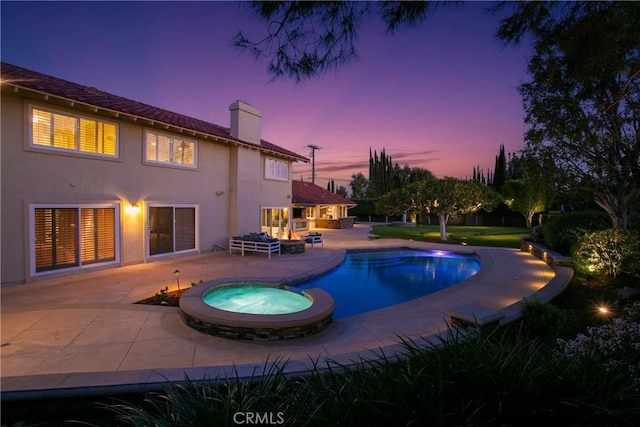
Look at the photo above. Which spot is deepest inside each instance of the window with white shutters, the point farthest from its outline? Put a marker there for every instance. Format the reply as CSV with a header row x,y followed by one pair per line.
x,y
168,150
276,169
66,132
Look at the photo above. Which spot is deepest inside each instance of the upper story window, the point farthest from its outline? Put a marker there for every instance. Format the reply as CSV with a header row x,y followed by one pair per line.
x,y
168,150
276,169
67,132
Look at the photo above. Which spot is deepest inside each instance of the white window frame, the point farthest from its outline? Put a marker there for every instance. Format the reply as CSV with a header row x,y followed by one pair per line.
x,y
276,169
171,162
196,208
72,151
32,235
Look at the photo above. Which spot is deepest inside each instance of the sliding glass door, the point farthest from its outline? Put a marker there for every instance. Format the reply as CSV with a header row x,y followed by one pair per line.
x,y
66,237
275,222
171,229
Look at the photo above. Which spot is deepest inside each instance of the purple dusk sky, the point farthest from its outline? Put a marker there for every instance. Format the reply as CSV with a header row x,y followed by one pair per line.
x,y
442,95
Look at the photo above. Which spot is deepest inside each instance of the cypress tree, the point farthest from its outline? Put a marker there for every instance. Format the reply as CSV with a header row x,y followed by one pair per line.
x,y
500,172
384,176
383,173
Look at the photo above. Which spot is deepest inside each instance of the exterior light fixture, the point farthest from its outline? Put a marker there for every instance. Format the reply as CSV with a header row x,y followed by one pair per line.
x,y
219,193
177,274
133,208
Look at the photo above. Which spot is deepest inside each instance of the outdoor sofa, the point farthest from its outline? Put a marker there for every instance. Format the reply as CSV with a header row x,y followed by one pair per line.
x,y
255,242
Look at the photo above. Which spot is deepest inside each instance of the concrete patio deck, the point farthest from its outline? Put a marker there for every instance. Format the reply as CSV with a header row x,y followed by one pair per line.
x,y
83,333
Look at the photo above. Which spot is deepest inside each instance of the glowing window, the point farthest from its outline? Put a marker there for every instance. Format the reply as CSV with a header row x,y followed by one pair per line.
x,y
67,132
165,149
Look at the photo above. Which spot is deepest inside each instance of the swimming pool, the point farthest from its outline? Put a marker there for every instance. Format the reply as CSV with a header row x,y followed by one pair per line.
x,y
368,280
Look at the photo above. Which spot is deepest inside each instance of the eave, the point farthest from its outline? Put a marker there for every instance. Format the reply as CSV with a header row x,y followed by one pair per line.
x,y
68,102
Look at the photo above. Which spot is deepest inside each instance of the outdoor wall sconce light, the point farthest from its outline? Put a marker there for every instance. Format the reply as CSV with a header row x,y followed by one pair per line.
x,y
132,208
219,193
288,196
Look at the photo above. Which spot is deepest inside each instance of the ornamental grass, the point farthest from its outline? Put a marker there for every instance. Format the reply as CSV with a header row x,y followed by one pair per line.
x,y
504,378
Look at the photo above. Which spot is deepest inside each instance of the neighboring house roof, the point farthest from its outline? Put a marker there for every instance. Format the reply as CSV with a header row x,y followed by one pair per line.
x,y
22,78
308,194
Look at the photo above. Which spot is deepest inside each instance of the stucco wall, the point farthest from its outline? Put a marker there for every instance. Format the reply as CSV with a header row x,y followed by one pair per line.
x,y
34,177
244,192
13,209
274,193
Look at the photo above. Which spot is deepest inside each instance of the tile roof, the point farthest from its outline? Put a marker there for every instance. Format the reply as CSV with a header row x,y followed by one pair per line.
x,y
308,194
19,77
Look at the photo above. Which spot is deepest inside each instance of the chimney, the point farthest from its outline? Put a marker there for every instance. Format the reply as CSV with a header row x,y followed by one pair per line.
x,y
245,122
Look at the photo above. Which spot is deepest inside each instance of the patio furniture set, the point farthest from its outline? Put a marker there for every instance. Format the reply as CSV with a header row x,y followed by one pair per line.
x,y
263,243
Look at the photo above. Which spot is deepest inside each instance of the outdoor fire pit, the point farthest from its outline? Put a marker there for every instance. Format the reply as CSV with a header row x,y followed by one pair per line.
x,y
292,246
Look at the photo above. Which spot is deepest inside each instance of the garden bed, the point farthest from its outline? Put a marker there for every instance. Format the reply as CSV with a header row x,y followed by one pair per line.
x,y
169,299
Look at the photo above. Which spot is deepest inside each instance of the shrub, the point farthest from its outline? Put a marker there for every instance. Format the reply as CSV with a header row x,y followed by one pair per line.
x,y
608,252
563,231
613,341
616,343
162,296
364,208
542,319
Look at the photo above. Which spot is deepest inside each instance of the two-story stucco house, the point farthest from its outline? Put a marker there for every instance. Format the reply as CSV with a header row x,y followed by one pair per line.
x,y
94,180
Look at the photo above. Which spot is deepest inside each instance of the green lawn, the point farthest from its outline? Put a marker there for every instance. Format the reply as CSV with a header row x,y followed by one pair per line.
x,y
508,237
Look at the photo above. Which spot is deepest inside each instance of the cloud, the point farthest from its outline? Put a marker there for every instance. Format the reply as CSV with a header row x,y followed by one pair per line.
x,y
335,166
404,156
346,168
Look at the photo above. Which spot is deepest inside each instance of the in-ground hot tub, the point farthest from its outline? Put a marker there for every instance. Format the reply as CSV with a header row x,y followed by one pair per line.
x,y
256,310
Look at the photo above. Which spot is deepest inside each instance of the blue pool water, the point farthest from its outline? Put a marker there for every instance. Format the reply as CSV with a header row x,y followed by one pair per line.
x,y
368,280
